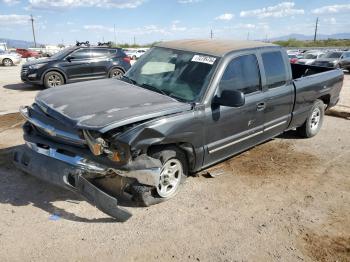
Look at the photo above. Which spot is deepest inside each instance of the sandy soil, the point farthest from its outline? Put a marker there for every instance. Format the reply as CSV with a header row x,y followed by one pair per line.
x,y
285,200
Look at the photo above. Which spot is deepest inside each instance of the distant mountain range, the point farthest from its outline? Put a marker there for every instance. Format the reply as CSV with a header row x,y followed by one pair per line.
x,y
311,37
18,43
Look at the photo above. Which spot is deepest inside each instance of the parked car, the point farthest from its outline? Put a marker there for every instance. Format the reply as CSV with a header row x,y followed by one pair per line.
x,y
344,61
185,106
334,59
292,58
135,54
78,63
26,53
310,57
9,59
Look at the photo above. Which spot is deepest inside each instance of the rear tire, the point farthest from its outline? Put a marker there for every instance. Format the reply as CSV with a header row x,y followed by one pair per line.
x,y
173,174
116,73
53,79
314,121
7,62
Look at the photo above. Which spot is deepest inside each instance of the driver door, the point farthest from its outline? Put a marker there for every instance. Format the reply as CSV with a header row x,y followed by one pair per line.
x,y
230,130
77,65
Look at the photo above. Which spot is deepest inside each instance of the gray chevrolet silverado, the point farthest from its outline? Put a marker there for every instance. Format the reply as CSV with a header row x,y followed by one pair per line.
x,y
184,106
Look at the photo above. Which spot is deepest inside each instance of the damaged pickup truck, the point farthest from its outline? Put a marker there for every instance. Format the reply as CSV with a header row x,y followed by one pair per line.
x,y
184,106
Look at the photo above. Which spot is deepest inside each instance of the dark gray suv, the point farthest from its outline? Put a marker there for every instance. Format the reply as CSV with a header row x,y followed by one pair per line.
x,y
76,64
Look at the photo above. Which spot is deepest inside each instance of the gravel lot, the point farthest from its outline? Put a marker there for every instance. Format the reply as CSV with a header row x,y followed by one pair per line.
x,y
285,200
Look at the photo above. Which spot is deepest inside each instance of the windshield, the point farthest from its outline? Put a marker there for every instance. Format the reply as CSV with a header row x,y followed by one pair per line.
x,y
62,53
333,55
179,74
310,56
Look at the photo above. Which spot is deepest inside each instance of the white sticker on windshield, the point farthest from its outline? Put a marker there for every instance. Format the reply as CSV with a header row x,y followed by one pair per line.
x,y
203,59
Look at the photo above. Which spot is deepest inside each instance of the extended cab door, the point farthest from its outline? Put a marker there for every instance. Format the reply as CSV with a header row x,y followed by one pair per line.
x,y
232,129
77,65
279,91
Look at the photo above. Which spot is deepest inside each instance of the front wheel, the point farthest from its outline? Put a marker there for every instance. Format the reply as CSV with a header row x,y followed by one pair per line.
x,y
314,121
7,62
53,79
173,173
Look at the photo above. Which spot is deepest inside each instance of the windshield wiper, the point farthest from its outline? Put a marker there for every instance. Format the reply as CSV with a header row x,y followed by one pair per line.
x,y
153,88
131,81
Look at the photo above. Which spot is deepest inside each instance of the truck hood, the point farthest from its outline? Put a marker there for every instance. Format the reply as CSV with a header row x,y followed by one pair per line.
x,y
106,104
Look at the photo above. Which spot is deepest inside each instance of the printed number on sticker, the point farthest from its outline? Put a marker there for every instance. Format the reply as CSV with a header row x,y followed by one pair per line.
x,y
203,59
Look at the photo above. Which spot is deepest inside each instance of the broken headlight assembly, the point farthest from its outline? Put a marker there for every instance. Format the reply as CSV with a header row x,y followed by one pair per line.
x,y
115,151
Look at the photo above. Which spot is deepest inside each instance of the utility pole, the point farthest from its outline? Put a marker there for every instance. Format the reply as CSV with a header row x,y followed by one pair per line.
x,y
211,34
315,36
32,20
134,40
248,36
115,36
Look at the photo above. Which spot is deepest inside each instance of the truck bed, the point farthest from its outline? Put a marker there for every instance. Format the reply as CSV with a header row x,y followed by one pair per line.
x,y
311,83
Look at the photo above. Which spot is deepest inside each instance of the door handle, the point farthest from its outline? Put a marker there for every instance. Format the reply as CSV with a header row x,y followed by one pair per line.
x,y
261,106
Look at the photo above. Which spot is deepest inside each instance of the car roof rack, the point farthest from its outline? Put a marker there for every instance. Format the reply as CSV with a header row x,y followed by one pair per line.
x,y
105,44
86,43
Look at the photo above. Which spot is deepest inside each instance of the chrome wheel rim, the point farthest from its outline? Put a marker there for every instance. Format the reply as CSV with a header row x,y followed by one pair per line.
x,y
54,80
170,178
7,62
117,74
315,119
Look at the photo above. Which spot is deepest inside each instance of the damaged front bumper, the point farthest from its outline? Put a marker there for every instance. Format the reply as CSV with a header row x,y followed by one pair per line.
x,y
71,172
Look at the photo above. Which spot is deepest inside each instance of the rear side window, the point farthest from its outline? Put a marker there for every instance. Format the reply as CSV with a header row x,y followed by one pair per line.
x,y
242,74
99,52
275,69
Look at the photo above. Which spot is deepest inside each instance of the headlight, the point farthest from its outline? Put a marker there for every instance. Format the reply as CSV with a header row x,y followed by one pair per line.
x,y
37,66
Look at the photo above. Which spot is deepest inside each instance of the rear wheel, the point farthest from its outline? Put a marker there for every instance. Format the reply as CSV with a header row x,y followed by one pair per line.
x,y
53,79
173,173
314,121
7,62
116,73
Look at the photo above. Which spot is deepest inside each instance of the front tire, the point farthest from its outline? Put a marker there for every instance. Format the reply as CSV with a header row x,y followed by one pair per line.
x,y
53,79
173,174
7,62
314,121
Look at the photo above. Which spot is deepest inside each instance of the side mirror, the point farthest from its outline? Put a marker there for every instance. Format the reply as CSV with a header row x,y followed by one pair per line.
x,y
69,58
231,98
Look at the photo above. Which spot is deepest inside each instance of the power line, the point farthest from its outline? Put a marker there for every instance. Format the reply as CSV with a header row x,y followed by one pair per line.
x,y
32,20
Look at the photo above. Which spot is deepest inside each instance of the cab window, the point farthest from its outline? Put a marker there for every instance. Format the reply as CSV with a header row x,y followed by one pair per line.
x,y
242,74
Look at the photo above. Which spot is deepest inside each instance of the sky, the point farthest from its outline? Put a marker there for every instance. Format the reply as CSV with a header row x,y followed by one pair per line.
x,y
146,21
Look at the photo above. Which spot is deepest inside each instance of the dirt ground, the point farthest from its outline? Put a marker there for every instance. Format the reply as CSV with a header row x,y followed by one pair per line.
x,y
285,200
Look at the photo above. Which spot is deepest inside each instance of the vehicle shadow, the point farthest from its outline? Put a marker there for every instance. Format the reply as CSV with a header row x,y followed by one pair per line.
x,y
291,134
20,189
23,87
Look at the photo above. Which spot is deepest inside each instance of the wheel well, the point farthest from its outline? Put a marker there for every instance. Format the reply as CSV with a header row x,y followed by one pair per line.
x,y
187,148
326,99
57,71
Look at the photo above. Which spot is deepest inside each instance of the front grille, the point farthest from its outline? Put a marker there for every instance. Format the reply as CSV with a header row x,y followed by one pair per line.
x,y
24,70
51,128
